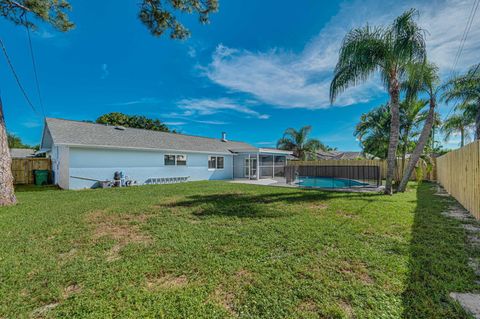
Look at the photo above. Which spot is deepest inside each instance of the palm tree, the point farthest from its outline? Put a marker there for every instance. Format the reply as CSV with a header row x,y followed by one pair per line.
x,y
466,89
388,51
411,116
298,142
457,123
373,131
374,128
422,78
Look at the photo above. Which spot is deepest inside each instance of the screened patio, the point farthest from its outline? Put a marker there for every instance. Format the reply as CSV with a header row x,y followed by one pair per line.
x,y
260,163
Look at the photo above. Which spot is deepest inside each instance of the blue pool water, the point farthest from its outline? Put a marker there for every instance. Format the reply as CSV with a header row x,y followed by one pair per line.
x,y
328,182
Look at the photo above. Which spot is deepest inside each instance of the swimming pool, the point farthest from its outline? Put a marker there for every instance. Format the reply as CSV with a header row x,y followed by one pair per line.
x,y
328,182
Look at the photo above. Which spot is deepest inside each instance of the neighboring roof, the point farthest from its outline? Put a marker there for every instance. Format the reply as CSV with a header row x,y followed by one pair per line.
x,y
22,152
75,133
339,155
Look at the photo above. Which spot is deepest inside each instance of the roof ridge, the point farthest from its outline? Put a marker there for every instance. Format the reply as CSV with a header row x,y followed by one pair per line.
x,y
142,129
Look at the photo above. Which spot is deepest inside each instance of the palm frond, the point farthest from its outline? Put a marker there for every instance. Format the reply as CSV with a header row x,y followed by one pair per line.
x,y
362,53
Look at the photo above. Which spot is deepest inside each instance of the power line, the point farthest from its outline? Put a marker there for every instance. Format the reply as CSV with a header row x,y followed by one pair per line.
x,y
468,26
34,64
17,79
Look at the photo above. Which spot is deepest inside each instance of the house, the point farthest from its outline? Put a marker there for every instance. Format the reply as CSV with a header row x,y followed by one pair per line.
x,y
84,154
22,152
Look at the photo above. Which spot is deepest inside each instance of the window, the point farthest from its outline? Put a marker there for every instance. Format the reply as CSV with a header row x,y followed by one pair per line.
x,y
172,160
220,161
212,162
181,160
216,162
169,160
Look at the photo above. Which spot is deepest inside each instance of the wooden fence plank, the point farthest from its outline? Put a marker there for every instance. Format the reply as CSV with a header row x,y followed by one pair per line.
x,y
459,173
22,168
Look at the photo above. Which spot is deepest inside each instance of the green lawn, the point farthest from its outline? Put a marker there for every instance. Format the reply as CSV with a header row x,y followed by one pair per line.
x,y
216,249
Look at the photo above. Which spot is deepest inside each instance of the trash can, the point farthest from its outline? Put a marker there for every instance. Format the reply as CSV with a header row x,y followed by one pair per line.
x,y
41,177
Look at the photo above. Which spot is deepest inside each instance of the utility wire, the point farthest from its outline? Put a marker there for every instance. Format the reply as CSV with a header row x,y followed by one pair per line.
x,y
468,26
22,89
34,64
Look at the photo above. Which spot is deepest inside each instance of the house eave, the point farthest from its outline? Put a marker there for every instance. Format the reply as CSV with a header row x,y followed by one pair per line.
x,y
139,148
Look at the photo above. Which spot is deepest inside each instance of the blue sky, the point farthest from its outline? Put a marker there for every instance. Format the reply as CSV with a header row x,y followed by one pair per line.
x,y
256,69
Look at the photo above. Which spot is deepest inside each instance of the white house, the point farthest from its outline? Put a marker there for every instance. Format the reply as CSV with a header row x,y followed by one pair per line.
x,y
84,154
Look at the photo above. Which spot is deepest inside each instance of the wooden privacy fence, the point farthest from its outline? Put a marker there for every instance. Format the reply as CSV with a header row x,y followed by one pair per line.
x,y
459,173
22,168
427,175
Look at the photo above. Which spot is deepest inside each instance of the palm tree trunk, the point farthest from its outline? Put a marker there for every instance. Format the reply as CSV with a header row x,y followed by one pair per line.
x,y
422,141
462,137
394,133
7,195
404,150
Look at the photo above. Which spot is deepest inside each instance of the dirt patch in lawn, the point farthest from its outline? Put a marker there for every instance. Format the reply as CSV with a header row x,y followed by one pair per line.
x,y
42,312
345,214
243,275
166,281
347,308
356,270
307,306
225,299
71,290
318,206
123,228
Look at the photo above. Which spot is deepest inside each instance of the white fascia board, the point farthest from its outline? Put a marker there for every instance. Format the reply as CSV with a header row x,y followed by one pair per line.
x,y
139,148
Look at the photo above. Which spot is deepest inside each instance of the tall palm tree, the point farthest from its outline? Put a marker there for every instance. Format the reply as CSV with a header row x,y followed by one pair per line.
x,y
387,51
466,89
422,78
298,142
457,123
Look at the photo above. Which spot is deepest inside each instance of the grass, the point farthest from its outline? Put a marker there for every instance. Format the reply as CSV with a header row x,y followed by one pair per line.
x,y
216,250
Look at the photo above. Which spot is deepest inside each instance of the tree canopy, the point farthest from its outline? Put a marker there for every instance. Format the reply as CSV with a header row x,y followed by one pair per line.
x,y
157,15
134,121
16,142
302,146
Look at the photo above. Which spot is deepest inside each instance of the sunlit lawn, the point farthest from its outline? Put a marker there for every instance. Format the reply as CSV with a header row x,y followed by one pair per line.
x,y
216,249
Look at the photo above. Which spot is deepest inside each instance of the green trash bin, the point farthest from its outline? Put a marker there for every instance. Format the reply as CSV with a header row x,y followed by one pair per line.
x,y
41,177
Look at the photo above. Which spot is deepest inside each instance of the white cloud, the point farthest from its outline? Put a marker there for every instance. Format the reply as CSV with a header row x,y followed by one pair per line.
x,y
292,80
192,52
211,122
272,143
105,72
208,106
32,124
175,123
143,100
44,34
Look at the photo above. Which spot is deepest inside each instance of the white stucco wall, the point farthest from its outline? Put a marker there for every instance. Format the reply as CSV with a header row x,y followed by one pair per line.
x,y
101,164
60,165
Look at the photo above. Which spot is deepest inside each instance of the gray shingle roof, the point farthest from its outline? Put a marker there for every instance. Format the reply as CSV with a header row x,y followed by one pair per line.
x,y
21,152
89,134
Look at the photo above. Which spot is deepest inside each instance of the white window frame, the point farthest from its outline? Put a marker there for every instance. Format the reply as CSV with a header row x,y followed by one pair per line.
x,y
216,163
175,159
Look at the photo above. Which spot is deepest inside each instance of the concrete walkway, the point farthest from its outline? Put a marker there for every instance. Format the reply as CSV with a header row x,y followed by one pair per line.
x,y
469,301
